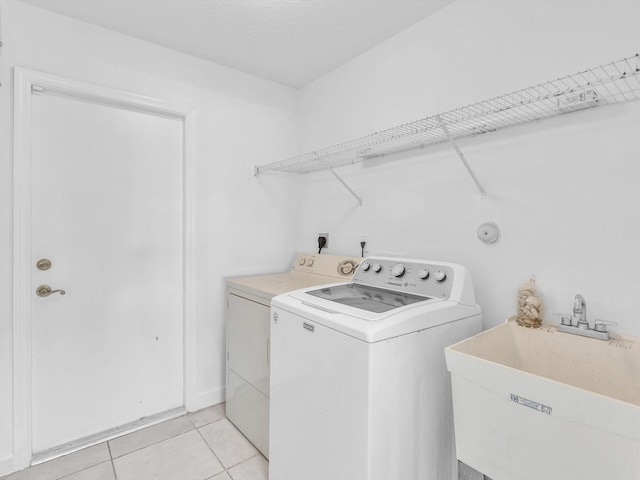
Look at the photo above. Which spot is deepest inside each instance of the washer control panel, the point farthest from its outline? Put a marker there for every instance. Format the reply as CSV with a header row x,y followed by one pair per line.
x,y
336,266
421,278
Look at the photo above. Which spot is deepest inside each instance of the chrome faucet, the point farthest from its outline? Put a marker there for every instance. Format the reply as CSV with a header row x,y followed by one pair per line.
x,y
579,325
580,313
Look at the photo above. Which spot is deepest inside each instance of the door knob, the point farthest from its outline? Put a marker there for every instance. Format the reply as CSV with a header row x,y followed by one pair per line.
x,y
45,291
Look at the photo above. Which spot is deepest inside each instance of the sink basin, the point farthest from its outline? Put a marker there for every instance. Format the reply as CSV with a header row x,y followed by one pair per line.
x,y
539,404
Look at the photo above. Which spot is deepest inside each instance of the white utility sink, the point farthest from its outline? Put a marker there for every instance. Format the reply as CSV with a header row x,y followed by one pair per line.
x,y
539,404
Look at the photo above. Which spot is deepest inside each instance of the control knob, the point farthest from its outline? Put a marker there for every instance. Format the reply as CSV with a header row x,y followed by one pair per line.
x,y
365,266
423,273
377,267
346,267
302,260
440,276
310,262
397,270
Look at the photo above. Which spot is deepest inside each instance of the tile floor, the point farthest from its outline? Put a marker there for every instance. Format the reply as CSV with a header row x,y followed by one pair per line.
x,y
202,445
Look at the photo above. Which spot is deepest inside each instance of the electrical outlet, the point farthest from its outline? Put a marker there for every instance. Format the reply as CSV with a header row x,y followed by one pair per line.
x,y
326,237
363,243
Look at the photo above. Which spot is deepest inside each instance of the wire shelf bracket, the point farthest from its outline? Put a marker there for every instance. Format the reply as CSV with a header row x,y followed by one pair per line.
x,y
454,144
344,184
616,82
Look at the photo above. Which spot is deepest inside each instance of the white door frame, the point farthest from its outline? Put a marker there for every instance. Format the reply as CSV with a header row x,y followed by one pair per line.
x,y
25,82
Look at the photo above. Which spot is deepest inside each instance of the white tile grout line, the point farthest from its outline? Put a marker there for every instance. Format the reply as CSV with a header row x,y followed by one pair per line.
x,y
226,469
81,470
243,461
246,460
211,449
113,467
193,427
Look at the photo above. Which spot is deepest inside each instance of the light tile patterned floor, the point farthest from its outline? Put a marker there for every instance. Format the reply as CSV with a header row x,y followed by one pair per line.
x,y
202,445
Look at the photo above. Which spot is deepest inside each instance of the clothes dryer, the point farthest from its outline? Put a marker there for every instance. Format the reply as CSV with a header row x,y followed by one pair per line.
x,y
248,339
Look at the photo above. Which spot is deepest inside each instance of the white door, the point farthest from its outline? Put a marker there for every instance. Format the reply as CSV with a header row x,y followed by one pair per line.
x,y
107,211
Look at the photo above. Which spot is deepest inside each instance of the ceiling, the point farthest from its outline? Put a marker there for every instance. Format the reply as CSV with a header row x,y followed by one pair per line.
x,y
292,42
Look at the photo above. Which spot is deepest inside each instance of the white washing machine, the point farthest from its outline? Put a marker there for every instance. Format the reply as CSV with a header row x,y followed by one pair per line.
x,y
248,303
359,386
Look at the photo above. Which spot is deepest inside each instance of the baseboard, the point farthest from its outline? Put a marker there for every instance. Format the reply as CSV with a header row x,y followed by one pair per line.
x,y
6,465
208,398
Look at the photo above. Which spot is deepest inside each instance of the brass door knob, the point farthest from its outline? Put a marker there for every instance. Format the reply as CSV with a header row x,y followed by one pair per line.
x,y
45,291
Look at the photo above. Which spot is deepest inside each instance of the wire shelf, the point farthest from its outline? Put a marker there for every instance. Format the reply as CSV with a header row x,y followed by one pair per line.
x,y
616,82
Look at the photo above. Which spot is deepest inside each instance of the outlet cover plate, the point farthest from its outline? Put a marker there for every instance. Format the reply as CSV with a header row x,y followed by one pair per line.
x,y
325,235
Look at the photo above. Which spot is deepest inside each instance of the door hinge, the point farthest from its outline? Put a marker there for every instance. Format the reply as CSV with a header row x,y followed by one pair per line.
x,y
37,89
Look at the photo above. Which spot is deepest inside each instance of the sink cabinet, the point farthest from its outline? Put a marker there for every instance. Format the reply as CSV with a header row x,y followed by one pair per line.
x,y
536,404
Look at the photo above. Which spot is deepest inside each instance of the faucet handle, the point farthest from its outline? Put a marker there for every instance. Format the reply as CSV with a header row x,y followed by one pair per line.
x,y
602,325
565,318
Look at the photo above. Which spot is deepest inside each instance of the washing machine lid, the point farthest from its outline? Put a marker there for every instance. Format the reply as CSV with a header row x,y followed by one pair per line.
x,y
347,316
367,297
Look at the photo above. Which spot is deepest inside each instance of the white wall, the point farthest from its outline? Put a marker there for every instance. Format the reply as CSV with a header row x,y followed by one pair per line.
x,y
564,191
241,121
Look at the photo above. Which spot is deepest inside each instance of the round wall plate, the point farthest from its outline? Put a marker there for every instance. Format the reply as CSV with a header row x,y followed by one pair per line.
x,y
489,232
